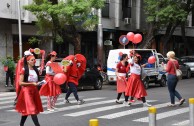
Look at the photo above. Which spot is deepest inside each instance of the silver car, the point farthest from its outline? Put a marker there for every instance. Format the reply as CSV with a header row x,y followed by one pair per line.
x,y
188,60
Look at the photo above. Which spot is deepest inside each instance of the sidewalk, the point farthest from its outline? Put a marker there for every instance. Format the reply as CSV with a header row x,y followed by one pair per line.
x,y
6,89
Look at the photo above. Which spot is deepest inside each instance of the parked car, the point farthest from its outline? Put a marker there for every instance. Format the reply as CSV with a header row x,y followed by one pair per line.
x,y
90,78
188,60
186,70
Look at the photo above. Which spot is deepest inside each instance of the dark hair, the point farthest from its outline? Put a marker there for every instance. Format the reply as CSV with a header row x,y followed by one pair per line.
x,y
48,57
138,60
26,72
123,56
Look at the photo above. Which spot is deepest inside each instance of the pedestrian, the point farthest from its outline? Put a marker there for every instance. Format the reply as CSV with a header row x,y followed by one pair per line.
x,y
73,76
28,101
121,77
172,79
9,63
50,89
135,87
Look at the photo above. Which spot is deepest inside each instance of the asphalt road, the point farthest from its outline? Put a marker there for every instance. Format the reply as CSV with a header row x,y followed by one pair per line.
x,y
100,104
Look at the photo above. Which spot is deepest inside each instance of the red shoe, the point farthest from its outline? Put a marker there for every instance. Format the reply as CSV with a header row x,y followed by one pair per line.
x,y
131,101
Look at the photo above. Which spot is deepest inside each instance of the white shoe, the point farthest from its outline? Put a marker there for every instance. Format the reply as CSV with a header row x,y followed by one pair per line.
x,y
54,108
118,102
50,109
146,105
66,102
126,103
79,102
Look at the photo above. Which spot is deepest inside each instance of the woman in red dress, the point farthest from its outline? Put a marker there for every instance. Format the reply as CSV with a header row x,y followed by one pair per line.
x,y
121,76
29,102
135,87
50,89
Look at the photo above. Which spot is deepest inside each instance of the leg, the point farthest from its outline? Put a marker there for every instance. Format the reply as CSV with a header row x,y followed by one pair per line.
x,y
68,92
74,90
171,86
143,99
35,120
54,100
11,78
23,120
119,96
7,79
49,102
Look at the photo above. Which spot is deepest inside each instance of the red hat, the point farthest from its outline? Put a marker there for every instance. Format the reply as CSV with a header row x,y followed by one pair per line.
x,y
53,53
138,56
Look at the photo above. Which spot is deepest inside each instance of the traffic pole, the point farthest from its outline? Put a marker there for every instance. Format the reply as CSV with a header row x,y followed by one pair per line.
x,y
93,122
191,111
152,116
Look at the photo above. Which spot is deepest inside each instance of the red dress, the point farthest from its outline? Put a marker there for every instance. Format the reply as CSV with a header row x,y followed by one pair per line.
x,y
135,87
121,83
50,88
29,102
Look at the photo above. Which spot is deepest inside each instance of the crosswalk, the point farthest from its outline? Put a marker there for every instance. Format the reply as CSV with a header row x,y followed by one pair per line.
x,y
103,108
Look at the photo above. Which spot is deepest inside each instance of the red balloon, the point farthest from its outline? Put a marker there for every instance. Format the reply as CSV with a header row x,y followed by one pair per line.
x,y
151,59
130,36
137,38
60,78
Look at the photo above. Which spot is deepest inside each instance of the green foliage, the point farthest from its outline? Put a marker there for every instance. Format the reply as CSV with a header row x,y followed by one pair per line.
x,y
33,40
52,18
164,12
8,62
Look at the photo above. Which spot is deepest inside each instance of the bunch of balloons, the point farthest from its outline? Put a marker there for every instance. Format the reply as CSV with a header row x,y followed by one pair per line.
x,y
134,38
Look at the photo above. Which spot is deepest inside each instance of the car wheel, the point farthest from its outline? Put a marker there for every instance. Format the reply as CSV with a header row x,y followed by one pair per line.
x,y
98,84
163,81
146,83
188,74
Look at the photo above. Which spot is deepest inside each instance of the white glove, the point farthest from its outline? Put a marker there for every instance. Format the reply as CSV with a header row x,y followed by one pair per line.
x,y
78,64
27,53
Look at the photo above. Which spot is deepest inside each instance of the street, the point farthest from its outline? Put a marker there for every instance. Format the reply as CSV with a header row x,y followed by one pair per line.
x,y
100,104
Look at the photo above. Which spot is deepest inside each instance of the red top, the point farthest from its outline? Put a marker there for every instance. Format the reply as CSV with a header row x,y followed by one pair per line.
x,y
170,67
121,68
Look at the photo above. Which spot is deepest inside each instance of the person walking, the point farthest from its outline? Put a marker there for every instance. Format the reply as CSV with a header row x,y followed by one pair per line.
x,y
28,100
10,71
74,71
121,77
135,87
172,79
50,89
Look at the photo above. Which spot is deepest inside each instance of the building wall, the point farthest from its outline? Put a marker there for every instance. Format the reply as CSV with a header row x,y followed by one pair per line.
x,y
6,45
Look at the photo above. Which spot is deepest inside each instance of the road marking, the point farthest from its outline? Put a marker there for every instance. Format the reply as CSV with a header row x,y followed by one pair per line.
x,y
79,106
183,123
7,94
129,112
95,110
165,114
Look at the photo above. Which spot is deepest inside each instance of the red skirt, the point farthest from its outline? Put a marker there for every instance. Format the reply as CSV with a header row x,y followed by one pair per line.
x,y
29,102
121,84
135,87
50,88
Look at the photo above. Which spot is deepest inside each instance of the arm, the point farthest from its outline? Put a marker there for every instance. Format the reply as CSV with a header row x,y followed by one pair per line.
x,y
168,66
49,71
144,65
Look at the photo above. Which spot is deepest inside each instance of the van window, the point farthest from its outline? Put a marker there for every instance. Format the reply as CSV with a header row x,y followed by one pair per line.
x,y
145,55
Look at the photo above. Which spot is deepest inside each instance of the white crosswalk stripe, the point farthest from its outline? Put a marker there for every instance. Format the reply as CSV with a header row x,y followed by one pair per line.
x,y
99,105
96,110
165,115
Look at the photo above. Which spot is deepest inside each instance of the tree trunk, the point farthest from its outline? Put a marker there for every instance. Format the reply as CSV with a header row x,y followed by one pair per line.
x,y
77,44
146,44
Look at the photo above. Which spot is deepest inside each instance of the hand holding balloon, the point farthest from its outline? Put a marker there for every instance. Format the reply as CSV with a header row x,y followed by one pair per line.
x,y
151,59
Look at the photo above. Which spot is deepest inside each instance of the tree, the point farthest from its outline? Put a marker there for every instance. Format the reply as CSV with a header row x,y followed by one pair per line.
x,y
165,14
64,19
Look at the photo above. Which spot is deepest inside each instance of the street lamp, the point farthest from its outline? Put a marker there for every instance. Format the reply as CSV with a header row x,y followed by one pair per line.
x,y
19,27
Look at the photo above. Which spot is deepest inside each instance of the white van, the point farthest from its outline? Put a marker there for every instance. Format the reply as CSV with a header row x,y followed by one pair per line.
x,y
153,72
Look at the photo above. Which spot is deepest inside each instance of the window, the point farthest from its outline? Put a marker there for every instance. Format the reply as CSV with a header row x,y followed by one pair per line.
x,y
105,9
126,7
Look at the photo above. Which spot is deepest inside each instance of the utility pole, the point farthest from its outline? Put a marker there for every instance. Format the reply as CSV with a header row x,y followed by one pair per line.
x,y
100,39
19,27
